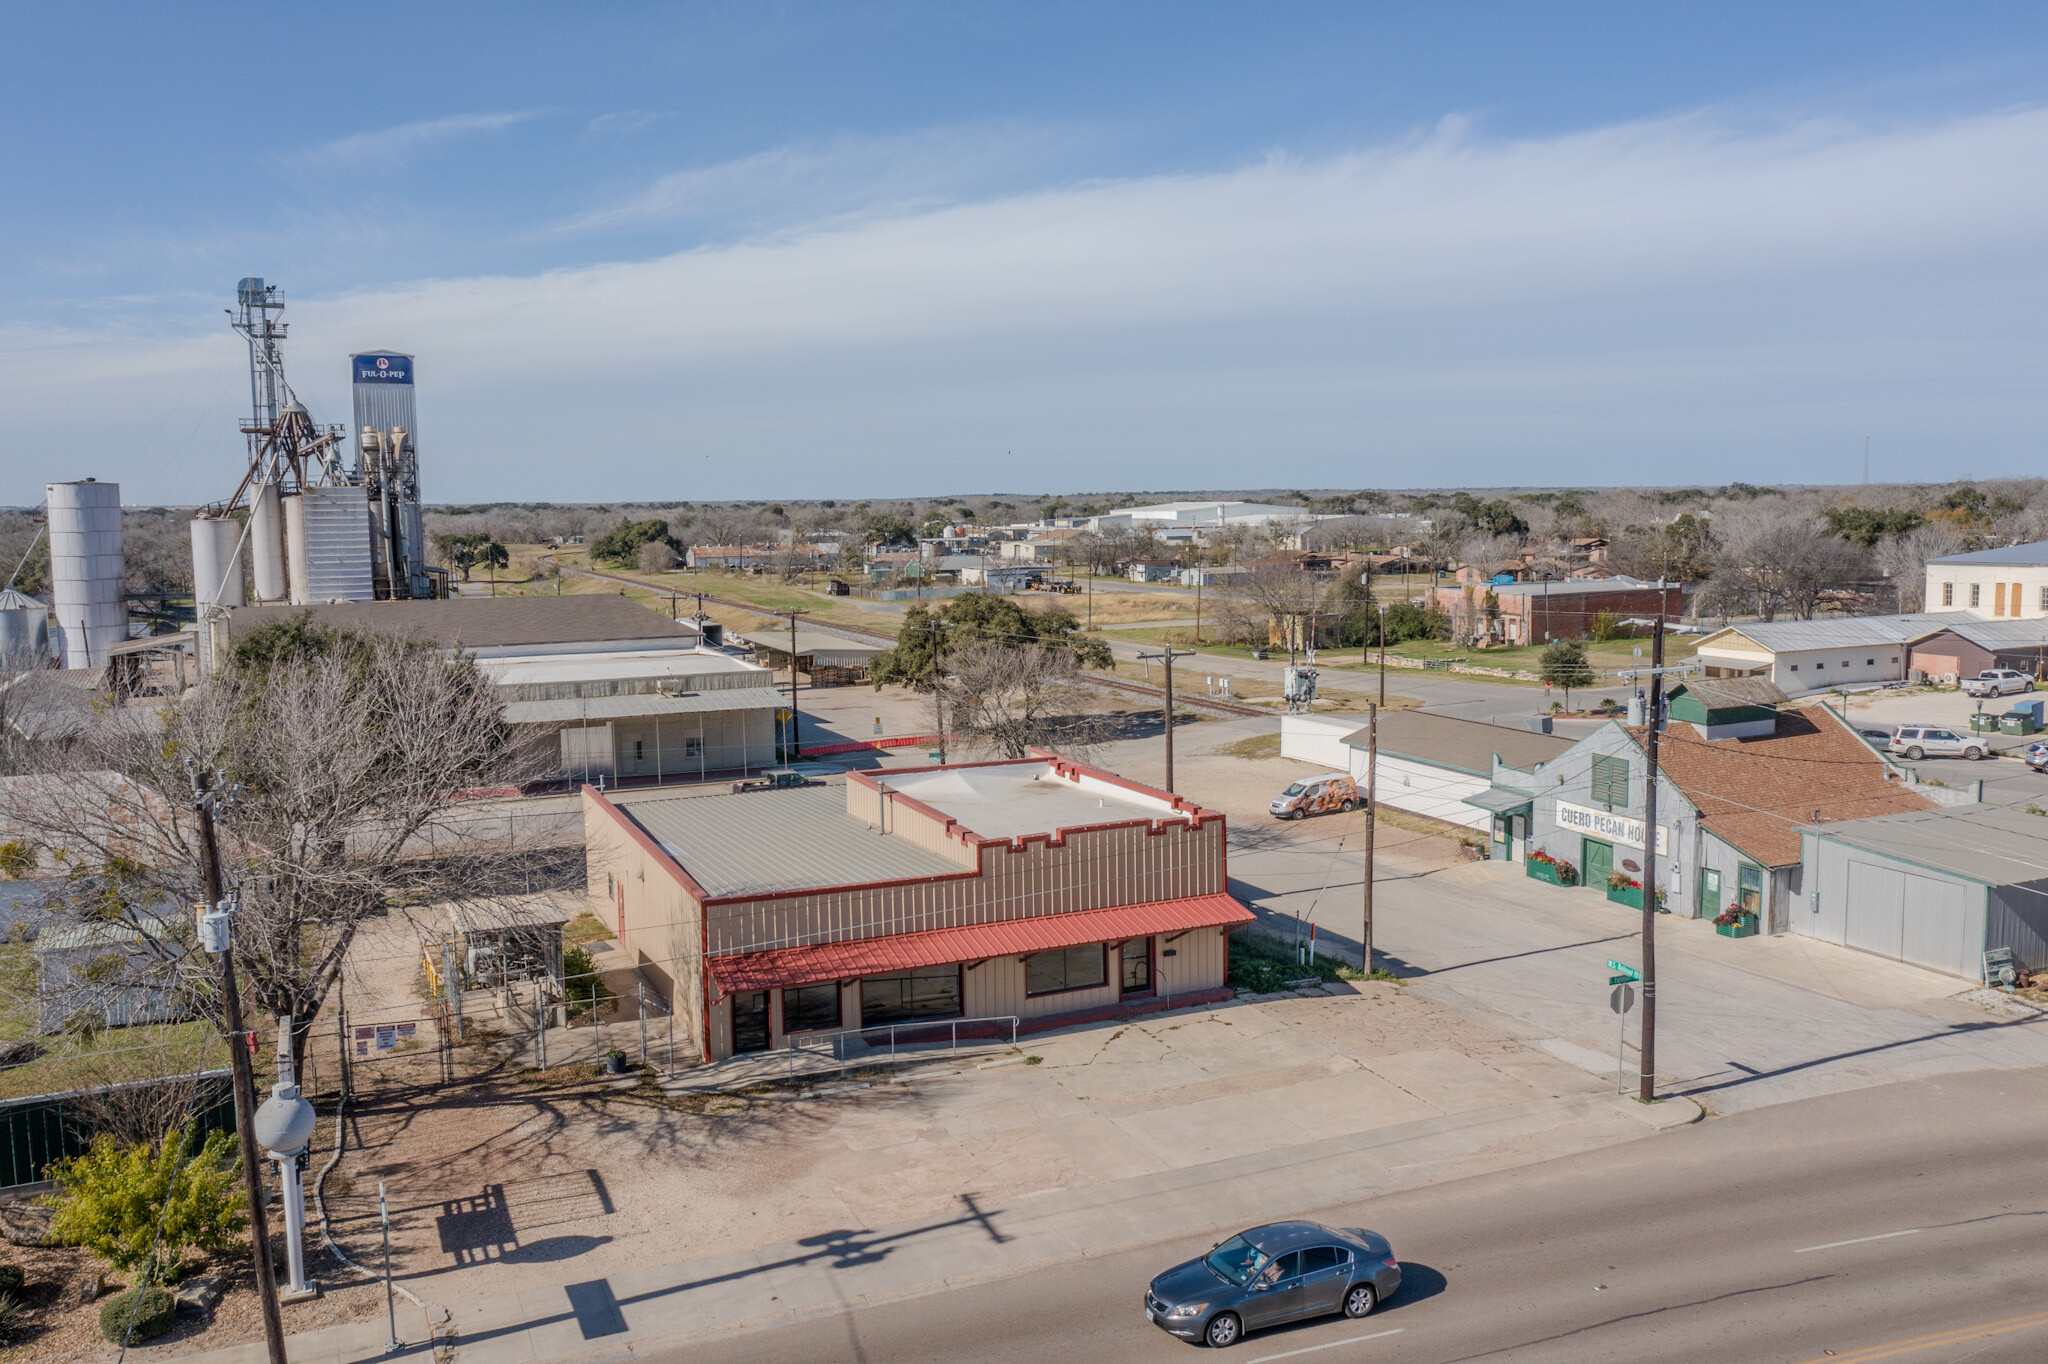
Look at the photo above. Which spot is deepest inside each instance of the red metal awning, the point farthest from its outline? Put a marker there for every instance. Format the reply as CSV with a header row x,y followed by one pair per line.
x,y
783,967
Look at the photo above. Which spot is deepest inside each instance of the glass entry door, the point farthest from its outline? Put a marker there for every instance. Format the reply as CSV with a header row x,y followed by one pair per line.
x,y
750,1021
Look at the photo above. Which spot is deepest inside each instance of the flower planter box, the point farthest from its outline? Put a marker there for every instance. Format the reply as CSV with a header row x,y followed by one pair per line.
x,y
1744,927
1632,896
1544,871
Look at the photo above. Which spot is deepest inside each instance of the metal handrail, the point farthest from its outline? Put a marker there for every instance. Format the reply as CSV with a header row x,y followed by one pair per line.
x,y
803,1042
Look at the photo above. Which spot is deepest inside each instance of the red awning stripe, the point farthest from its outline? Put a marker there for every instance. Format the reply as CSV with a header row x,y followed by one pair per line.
x,y
784,967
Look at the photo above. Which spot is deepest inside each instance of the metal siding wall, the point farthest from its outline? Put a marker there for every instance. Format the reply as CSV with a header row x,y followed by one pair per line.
x,y
2018,918
1432,791
1197,962
1096,869
995,989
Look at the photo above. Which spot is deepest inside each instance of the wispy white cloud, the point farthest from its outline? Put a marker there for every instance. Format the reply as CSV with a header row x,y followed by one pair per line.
x,y
407,139
1684,296
625,122
807,182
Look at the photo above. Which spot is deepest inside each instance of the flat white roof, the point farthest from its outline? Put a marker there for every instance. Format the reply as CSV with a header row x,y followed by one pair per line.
x,y
1013,799
619,666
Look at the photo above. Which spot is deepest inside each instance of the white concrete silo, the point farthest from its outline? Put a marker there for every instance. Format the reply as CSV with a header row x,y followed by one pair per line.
x,y
217,562
266,542
86,570
24,631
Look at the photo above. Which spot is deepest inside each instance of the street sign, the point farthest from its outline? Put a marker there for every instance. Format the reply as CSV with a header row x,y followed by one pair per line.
x,y
1620,969
1619,980
1623,999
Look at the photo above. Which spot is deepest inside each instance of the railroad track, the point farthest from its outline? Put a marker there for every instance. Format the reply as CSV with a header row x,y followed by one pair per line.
x,y
1142,689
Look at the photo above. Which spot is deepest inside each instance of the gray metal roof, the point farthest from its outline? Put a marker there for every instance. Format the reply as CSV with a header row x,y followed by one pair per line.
x,y
766,841
1501,799
810,640
483,622
2018,556
1995,844
1464,745
1731,693
1010,800
2004,634
1847,632
641,704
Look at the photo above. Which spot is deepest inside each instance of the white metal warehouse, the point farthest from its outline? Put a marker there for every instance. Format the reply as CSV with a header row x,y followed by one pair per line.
x,y
1937,888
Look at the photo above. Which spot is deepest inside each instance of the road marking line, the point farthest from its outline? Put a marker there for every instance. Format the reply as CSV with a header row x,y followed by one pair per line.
x,y
1959,1336
1885,1236
1311,1349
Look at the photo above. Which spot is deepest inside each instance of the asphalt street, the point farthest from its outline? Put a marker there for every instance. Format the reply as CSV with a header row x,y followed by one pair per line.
x,y
1899,1223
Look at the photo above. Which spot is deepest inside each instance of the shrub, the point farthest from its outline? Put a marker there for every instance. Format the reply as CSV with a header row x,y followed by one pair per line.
x,y
110,1199
582,987
11,1323
12,1278
156,1315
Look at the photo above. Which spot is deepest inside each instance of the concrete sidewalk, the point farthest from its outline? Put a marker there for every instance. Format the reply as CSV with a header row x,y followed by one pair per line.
x,y
980,1240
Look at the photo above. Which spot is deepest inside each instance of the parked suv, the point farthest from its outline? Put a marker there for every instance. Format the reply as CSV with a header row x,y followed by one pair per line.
x,y
1917,742
1998,682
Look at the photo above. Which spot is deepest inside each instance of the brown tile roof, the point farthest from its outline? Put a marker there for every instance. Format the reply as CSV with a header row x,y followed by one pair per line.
x,y
1755,793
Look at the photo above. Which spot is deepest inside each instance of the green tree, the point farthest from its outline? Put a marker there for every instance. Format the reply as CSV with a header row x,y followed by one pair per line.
x,y
582,986
885,529
1499,518
928,633
620,546
1865,526
111,1199
1564,665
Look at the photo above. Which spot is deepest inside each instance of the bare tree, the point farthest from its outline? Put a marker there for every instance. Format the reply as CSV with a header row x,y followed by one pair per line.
x,y
657,556
1010,700
1778,561
350,758
1903,559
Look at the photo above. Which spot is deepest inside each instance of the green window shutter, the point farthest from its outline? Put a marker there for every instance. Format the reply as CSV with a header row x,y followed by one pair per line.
x,y
1610,779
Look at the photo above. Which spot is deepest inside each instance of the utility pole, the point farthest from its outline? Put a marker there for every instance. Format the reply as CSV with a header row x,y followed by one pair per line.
x,y
206,796
1372,821
1383,654
1167,656
1648,1092
795,717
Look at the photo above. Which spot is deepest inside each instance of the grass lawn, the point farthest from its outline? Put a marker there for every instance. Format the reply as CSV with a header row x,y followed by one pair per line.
x,y
143,1052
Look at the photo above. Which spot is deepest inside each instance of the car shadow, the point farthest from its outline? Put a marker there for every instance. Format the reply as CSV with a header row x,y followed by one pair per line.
x,y
1419,1282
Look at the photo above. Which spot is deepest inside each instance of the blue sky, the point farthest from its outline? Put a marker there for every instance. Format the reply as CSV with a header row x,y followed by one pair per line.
x,y
760,250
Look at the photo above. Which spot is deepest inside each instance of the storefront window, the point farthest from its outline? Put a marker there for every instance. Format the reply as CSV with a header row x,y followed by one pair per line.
x,y
1137,955
906,996
1749,888
808,1008
1069,968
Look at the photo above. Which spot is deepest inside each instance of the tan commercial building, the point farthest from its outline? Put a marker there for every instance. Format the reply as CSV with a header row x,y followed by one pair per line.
x,y
1038,889
1995,584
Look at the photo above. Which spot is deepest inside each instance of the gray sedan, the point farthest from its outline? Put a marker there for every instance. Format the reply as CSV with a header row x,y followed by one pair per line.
x,y
1281,1272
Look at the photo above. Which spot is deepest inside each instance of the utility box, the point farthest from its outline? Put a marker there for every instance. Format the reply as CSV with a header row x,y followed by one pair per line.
x,y
2035,706
1539,724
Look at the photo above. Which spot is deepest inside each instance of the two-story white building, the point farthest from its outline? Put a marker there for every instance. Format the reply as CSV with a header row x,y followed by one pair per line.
x,y
1996,584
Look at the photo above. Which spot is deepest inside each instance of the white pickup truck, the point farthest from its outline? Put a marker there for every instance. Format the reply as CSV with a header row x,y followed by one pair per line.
x,y
1997,682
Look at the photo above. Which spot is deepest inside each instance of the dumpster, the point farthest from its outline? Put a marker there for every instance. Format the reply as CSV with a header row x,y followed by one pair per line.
x,y
1980,723
2017,722
2036,706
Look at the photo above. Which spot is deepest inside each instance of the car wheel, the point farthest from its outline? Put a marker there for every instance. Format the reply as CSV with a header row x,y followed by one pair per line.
x,y
1348,806
1915,754
1223,1331
1973,753
1360,1301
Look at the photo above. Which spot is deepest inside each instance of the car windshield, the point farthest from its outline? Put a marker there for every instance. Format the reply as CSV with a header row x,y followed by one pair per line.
x,y
1238,1260
1295,789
